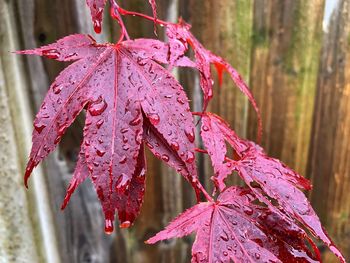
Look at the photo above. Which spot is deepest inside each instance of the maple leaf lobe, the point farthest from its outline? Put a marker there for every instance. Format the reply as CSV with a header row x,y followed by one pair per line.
x,y
234,229
96,9
123,89
275,180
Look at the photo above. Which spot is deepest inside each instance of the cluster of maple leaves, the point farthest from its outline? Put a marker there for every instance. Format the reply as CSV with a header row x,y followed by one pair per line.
x,y
126,91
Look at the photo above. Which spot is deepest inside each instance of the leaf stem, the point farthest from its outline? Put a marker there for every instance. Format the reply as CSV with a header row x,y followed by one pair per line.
x,y
205,193
115,13
158,21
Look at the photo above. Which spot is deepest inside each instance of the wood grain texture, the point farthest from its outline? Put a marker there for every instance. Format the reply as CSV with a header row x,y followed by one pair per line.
x,y
26,227
286,48
329,159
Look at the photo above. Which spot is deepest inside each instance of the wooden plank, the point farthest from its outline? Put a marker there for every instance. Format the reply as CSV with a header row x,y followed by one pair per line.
x,y
27,231
286,49
329,159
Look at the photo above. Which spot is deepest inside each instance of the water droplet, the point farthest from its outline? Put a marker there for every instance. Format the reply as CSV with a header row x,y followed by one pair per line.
x,y
180,100
205,128
125,139
100,152
125,224
57,140
151,70
168,96
137,120
141,61
57,88
97,107
126,147
225,253
190,157
124,130
51,53
62,129
248,210
99,123
109,226
123,160
257,255
149,145
235,204
154,118
69,56
87,143
97,26
190,134
88,122
131,80
165,158
225,236
39,127
210,93
175,146
119,180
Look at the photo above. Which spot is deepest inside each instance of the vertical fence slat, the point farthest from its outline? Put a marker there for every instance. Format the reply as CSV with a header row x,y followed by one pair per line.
x,y
329,159
27,230
285,57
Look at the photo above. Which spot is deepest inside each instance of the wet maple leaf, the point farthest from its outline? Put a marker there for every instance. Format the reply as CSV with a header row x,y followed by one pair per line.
x,y
235,229
96,9
272,177
180,37
126,94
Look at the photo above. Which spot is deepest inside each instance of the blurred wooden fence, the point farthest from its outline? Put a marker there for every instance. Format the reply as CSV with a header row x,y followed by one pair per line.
x,y
296,58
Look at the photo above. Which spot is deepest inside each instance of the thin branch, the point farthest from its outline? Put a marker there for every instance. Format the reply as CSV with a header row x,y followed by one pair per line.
x,y
157,21
115,13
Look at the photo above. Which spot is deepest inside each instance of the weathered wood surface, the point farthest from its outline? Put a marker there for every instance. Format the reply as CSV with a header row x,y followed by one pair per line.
x,y
281,51
329,158
26,225
286,49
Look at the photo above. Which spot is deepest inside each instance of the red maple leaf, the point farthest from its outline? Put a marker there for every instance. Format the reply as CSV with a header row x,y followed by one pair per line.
x,y
235,229
96,9
263,174
180,37
126,94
